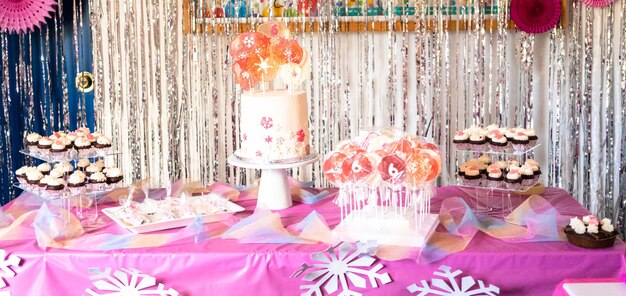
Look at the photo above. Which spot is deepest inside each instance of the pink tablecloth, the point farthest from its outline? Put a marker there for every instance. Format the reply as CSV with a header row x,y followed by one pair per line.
x,y
225,267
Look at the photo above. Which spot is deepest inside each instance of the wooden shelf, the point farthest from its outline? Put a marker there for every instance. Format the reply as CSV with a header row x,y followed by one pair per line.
x,y
344,24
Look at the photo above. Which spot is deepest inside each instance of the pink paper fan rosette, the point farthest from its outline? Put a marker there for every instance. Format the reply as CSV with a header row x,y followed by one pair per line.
x,y
597,3
24,15
535,16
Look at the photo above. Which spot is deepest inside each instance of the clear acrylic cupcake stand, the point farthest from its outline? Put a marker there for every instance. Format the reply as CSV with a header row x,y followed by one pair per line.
x,y
489,199
274,192
69,198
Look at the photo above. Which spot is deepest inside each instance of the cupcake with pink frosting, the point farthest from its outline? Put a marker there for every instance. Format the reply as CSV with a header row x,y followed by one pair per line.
x,y
513,178
461,140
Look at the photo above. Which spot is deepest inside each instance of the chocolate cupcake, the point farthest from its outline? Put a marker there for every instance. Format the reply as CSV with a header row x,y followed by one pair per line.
x,y
527,175
477,141
33,177
54,184
82,164
532,136
498,143
114,175
58,149
102,142
472,176
97,181
44,143
57,173
513,179
494,176
82,145
44,168
92,169
520,142
461,140
32,140
20,174
76,182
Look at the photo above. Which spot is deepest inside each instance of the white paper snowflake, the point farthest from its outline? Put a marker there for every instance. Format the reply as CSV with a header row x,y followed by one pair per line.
x,y
248,41
7,266
341,264
452,288
125,282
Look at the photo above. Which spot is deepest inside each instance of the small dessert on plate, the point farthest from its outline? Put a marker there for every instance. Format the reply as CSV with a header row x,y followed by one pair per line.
x,y
82,146
33,177
498,143
102,143
527,175
54,186
591,233
58,149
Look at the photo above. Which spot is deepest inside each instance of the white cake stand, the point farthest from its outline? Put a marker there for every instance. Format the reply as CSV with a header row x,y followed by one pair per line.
x,y
274,193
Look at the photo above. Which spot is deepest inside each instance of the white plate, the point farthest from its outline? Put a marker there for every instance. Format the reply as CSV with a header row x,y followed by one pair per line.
x,y
182,222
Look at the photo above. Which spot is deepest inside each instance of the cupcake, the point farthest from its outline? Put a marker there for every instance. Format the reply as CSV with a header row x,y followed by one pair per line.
x,y
520,142
82,164
513,178
498,143
97,181
57,173
472,176
92,169
55,186
64,167
44,168
502,165
82,146
510,135
477,141
100,163
461,140
20,174
494,176
527,175
76,182
83,131
33,177
44,144
32,139
532,136
114,175
71,137
536,169
486,159
57,136
67,142
91,138
102,143
58,149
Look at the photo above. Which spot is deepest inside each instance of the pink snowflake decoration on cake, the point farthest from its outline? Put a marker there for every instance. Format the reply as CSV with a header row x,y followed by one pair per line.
x,y
300,135
267,122
268,139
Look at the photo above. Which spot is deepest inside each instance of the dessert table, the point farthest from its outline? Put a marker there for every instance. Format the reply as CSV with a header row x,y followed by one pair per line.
x,y
226,267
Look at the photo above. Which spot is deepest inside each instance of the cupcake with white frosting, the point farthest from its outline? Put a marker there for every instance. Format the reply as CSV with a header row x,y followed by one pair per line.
x,y
33,178
44,144
20,174
58,150
472,176
76,182
97,181
82,164
114,175
513,178
498,142
54,186
102,142
532,136
32,139
82,146
461,140
520,142
64,167
92,169
534,165
477,141
44,168
527,175
494,176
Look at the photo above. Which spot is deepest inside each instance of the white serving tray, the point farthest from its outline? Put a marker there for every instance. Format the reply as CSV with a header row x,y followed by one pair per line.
x,y
182,222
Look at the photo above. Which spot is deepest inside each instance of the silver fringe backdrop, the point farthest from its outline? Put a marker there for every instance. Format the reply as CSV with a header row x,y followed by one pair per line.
x,y
169,99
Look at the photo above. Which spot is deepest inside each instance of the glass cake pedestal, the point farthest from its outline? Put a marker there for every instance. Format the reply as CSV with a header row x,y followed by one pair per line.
x,y
274,193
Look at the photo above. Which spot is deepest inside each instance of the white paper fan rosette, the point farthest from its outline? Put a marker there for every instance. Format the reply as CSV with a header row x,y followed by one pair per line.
x,y
24,15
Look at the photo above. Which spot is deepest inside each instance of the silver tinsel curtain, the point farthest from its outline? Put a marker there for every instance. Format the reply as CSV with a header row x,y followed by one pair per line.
x,y
169,99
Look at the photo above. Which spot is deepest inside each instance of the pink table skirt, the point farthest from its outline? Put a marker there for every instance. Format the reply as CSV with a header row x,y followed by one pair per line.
x,y
226,267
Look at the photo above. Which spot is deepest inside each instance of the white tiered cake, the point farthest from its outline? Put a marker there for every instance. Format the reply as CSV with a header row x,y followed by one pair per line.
x,y
274,126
